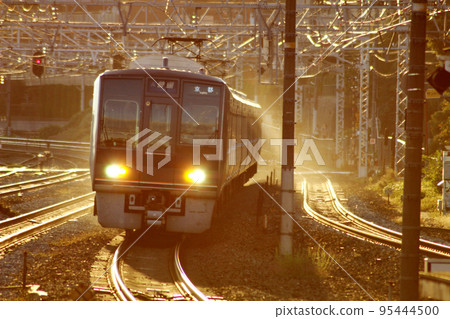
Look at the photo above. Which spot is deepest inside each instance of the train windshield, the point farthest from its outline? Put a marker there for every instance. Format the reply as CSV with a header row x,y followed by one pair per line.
x,y
200,104
121,108
159,118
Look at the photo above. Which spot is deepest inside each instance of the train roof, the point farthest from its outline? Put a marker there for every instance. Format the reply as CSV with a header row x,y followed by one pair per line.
x,y
164,72
190,75
242,97
171,60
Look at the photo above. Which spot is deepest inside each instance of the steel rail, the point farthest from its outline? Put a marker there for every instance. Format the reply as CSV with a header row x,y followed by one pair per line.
x,y
32,156
41,182
181,280
372,231
9,173
26,162
184,285
29,231
345,228
42,211
425,245
41,143
338,207
121,291
79,150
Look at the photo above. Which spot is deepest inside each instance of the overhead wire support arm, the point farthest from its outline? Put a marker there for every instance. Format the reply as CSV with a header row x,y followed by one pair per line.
x,y
123,18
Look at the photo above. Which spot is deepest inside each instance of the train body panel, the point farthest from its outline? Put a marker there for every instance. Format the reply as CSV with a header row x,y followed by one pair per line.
x,y
196,218
147,164
114,217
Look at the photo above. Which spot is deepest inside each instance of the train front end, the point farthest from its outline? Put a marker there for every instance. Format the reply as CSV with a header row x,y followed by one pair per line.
x,y
146,167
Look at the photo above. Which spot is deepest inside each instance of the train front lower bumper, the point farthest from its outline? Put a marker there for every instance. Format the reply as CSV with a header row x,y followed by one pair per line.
x,y
185,210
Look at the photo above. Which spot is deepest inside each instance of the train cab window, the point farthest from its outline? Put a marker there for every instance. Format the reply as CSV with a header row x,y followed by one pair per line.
x,y
120,119
200,103
120,111
158,117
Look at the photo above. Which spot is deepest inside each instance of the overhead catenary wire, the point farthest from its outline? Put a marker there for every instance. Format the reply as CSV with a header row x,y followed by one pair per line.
x,y
24,15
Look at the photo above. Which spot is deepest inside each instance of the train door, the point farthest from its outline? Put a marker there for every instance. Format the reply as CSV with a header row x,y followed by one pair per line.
x,y
155,149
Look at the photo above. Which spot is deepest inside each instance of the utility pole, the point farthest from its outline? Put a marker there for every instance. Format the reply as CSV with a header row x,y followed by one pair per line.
x,y
287,169
82,90
8,105
409,269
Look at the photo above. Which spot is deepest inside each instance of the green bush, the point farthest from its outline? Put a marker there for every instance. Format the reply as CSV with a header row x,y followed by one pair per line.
x,y
306,263
432,168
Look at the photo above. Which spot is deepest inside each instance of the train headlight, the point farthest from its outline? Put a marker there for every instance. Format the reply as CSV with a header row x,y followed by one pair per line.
x,y
115,171
195,176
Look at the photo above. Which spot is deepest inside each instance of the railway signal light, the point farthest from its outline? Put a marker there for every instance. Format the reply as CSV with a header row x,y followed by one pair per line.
x,y
440,80
37,64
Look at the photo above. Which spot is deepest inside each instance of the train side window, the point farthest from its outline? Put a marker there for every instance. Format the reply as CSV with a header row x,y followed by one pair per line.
x,y
244,132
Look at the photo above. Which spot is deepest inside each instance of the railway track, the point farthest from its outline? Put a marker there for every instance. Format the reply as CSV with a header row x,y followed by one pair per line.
x,y
150,278
61,151
16,142
352,224
68,176
17,229
185,286
8,172
6,157
117,284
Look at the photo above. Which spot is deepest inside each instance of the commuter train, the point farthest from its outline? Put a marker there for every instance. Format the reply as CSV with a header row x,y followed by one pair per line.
x,y
166,147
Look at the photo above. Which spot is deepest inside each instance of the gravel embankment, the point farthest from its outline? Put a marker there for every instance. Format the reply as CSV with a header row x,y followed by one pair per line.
x,y
28,201
239,262
57,261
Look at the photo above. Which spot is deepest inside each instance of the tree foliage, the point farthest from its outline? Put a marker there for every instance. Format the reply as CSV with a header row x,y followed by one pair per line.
x,y
432,168
440,128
